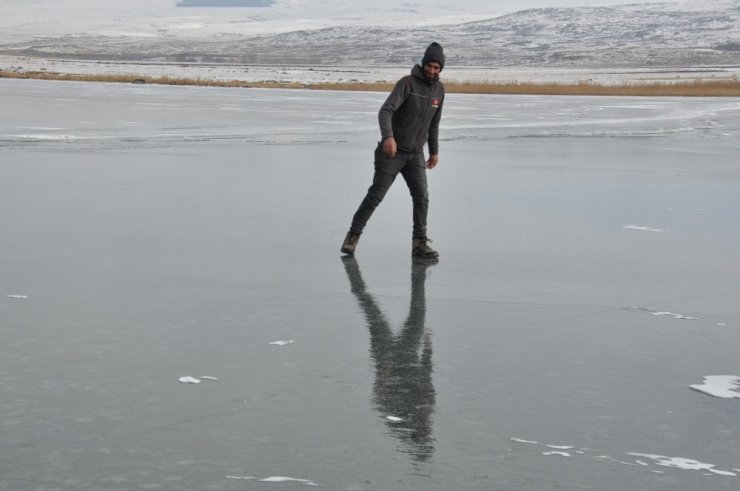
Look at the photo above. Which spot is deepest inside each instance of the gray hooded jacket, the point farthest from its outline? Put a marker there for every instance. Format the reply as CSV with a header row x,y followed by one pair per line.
x,y
412,111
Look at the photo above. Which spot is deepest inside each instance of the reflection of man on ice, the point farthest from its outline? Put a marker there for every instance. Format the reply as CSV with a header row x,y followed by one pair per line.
x,y
403,363
408,119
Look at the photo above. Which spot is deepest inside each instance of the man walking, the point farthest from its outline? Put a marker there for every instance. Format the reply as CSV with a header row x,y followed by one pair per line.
x,y
408,119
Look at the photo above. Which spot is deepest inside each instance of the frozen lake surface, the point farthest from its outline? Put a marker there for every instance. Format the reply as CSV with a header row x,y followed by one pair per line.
x,y
175,314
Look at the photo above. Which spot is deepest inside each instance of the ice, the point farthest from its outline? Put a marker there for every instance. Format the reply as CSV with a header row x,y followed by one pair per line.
x,y
722,386
192,239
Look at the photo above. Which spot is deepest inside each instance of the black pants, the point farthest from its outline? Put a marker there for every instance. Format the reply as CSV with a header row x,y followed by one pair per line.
x,y
412,168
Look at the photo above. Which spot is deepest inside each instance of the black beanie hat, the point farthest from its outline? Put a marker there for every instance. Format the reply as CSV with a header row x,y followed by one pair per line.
x,y
434,53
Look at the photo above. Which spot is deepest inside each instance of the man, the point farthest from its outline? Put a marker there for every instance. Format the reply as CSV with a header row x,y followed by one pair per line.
x,y
408,119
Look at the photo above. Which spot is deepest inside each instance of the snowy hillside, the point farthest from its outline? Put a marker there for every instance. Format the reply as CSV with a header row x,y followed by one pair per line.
x,y
325,32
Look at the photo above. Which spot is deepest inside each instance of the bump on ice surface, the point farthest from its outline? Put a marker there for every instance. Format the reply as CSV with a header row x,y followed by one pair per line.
x,y
722,386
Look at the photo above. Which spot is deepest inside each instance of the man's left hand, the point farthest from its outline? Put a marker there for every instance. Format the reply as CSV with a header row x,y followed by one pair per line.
x,y
432,162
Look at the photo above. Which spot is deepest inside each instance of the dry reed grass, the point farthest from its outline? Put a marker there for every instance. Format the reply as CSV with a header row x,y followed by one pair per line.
x,y
693,88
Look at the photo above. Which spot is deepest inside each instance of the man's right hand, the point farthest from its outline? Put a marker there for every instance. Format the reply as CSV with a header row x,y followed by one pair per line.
x,y
389,147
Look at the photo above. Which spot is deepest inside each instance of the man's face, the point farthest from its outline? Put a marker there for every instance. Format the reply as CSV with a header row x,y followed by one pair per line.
x,y
432,69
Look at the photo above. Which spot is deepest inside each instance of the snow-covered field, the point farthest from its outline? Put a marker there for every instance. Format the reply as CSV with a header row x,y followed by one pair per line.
x,y
482,39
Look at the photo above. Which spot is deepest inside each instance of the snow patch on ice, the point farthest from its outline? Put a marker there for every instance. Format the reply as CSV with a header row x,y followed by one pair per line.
x,y
194,380
663,313
682,463
305,482
519,440
645,229
188,380
17,297
641,459
722,386
561,454
40,137
240,478
282,343
394,419
676,316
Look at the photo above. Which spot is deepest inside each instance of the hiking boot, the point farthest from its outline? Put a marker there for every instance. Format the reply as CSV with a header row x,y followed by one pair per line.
x,y
420,248
350,242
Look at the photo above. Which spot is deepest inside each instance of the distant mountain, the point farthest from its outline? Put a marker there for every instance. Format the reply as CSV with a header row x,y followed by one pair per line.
x,y
225,3
669,34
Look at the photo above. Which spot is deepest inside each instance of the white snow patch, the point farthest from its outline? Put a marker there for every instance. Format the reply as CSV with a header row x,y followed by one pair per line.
x,y
240,478
282,343
676,316
288,479
663,313
682,463
17,297
394,419
207,377
519,440
722,386
645,229
188,380
39,137
561,454
560,447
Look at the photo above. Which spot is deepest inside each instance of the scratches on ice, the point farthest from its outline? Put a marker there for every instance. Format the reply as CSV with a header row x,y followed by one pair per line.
x,y
637,459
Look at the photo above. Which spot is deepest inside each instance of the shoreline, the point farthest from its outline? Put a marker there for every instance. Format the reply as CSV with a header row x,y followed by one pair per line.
x,y
687,88
698,81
